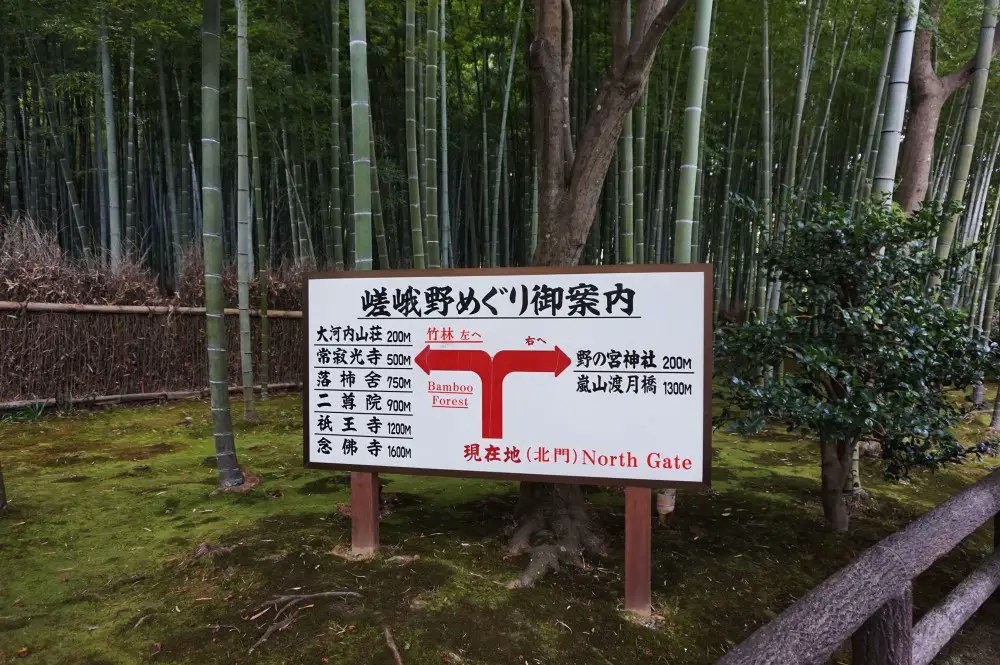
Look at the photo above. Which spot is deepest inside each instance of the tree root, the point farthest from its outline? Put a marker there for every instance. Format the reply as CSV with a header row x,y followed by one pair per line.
x,y
288,602
554,529
392,646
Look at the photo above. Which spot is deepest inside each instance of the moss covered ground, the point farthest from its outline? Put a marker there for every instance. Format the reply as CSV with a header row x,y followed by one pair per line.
x,y
97,560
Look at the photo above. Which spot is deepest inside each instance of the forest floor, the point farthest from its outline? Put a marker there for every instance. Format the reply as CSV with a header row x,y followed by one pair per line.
x,y
107,508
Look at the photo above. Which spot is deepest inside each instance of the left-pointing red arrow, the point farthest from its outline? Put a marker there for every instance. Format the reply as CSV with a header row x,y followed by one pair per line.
x,y
461,360
454,360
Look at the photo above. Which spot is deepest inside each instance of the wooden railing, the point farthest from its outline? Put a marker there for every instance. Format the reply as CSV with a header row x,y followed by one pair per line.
x,y
870,601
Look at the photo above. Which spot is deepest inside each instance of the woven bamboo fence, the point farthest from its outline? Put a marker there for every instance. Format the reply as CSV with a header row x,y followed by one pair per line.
x,y
67,353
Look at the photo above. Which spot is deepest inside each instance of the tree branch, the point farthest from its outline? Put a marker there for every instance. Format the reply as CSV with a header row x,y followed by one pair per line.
x,y
643,46
961,76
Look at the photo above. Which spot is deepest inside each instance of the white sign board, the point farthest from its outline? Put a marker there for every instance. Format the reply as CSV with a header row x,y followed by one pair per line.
x,y
561,374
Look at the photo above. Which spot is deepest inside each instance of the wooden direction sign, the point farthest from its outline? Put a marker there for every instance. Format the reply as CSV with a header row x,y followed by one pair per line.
x,y
581,374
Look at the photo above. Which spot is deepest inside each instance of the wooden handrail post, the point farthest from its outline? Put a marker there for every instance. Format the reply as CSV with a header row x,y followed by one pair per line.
x,y
887,637
996,532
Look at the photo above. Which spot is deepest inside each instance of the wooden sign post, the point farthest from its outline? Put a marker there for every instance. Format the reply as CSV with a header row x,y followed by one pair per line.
x,y
576,375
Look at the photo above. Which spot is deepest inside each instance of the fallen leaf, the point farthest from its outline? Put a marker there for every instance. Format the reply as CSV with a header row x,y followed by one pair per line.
x,y
17,602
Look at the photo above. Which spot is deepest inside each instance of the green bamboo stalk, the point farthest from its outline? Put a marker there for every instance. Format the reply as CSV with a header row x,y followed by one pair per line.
x,y
878,110
130,231
447,259
721,257
211,196
100,175
262,268
692,125
337,203
835,75
639,216
883,181
185,194
9,110
626,164
360,137
412,168
59,146
534,204
765,160
430,138
380,240
244,237
175,229
111,141
305,240
290,188
698,228
494,223
970,129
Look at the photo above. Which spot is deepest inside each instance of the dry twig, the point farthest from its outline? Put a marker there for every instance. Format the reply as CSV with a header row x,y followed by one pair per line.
x,y
392,646
287,603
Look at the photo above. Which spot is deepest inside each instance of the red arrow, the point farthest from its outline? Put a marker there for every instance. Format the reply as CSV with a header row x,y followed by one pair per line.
x,y
508,362
491,373
460,360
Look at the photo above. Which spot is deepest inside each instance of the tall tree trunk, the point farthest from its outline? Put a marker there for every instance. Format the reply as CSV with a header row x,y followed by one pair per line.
x,y
211,196
835,463
244,236
570,184
930,92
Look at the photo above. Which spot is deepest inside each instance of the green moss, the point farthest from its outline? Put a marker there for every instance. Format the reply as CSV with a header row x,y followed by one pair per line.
x,y
107,508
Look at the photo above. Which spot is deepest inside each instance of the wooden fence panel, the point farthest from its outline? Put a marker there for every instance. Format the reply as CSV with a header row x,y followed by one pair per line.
x,y
74,355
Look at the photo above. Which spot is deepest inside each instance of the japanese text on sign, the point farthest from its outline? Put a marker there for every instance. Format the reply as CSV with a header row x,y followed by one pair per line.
x,y
598,375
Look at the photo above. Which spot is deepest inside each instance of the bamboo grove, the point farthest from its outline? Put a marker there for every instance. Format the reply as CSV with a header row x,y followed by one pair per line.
x,y
344,135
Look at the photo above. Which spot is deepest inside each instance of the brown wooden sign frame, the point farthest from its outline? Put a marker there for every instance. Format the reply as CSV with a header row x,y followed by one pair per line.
x,y
703,268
